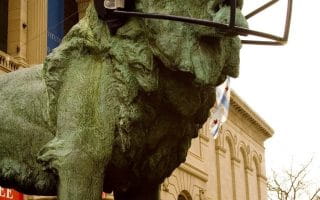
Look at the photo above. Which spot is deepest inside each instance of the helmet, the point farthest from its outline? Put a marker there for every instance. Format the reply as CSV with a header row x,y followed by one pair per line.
x,y
116,12
106,8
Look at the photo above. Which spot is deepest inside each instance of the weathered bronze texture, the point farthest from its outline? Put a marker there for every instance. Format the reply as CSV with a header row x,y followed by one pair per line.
x,y
115,110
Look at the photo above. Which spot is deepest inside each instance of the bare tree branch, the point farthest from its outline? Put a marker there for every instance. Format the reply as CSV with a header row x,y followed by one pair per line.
x,y
291,185
315,195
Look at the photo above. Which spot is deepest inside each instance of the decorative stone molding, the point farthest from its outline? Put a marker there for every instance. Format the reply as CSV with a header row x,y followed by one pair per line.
x,y
9,64
235,159
241,107
220,149
204,137
249,169
203,194
263,177
165,185
190,169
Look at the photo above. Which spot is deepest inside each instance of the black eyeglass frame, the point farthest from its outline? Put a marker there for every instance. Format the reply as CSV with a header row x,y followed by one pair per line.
x,y
230,28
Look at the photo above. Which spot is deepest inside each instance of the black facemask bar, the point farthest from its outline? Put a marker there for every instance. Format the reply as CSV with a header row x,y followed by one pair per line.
x,y
111,16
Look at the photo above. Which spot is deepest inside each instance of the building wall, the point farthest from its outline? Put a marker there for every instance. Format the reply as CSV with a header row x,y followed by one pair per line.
x,y
232,167
27,31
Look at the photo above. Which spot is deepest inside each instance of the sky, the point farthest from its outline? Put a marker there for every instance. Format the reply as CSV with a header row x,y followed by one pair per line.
x,y
282,83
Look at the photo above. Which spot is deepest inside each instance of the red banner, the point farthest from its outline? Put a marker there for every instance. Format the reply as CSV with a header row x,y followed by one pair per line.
x,y
104,195
6,194
10,194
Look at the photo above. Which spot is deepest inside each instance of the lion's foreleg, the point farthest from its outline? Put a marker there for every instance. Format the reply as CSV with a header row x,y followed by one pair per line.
x,y
81,184
79,159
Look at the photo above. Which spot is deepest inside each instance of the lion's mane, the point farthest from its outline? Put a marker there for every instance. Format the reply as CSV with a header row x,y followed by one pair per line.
x,y
91,36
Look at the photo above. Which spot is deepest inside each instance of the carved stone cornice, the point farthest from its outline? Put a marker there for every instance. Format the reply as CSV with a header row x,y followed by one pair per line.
x,y
191,169
245,111
9,64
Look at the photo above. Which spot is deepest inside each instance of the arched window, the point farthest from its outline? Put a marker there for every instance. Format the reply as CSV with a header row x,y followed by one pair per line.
x,y
3,25
184,195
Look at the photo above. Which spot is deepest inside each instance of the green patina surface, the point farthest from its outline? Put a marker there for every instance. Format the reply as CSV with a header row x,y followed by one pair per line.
x,y
114,113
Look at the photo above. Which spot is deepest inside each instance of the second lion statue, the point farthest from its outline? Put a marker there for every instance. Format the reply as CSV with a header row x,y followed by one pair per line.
x,y
113,112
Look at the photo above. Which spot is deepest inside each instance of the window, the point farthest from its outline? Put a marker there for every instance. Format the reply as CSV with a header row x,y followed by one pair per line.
x,y
184,195
3,25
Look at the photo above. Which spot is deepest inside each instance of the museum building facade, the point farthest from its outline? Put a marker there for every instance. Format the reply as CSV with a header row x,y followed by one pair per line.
x,y
232,167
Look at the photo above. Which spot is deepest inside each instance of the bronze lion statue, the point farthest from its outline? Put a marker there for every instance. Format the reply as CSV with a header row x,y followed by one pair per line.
x,y
113,112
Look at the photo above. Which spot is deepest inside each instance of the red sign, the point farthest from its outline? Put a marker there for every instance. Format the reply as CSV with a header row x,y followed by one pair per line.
x,y
6,194
104,195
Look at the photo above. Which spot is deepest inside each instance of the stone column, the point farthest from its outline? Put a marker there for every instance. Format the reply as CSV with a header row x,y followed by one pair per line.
x,y
17,29
235,166
37,31
262,181
220,155
82,6
248,173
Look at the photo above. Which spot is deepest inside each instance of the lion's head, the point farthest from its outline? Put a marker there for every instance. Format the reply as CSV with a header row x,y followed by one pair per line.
x,y
167,72
193,49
